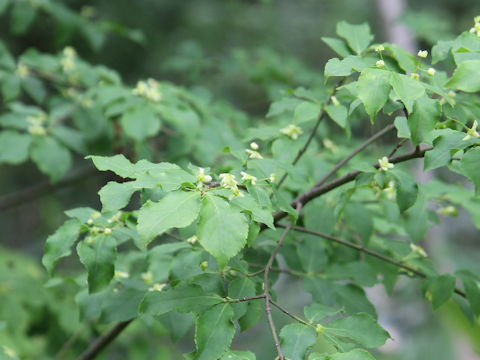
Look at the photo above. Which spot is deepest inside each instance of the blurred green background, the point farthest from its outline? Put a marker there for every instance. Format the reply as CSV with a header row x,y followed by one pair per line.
x,y
245,52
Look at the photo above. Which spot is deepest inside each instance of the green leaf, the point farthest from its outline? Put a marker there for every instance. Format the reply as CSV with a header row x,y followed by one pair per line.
x,y
358,36
99,259
222,229
306,111
422,121
353,298
444,146
312,254
115,196
337,45
441,289
140,123
238,355
241,288
176,324
182,298
251,318
407,89
471,167
118,164
51,158
355,354
177,209
440,50
359,218
416,219
60,243
248,203
401,124
373,90
14,147
296,339
22,16
360,328
10,86
6,59
121,305
405,60
317,312
471,284
466,77
406,189
338,113
345,67
214,331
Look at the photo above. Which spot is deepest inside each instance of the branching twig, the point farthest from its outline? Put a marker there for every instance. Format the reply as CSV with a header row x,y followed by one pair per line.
x,y
397,147
382,257
362,146
285,311
99,344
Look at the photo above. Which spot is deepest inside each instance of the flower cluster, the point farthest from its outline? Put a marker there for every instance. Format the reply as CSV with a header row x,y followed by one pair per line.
x,y
292,131
202,177
148,89
228,182
422,54
252,152
380,63
248,178
37,124
476,26
472,132
68,59
418,250
449,210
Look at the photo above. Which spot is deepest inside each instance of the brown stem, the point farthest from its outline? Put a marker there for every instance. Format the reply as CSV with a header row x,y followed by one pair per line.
x,y
286,312
101,343
354,152
364,250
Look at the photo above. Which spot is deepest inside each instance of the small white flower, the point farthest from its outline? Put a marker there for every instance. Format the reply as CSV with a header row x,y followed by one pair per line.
x,y
431,71
201,177
472,132
418,250
107,231
228,182
253,154
147,277
148,90
121,274
385,164
90,240
90,222
272,178
292,131
422,53
380,63
37,130
192,239
330,145
415,76
379,48
334,100
248,177
449,210
69,52
157,287
253,146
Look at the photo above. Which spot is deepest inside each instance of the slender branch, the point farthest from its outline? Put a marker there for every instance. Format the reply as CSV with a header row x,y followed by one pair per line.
x,y
364,250
35,191
305,146
101,343
250,298
315,192
362,146
285,311
268,298
397,147
63,350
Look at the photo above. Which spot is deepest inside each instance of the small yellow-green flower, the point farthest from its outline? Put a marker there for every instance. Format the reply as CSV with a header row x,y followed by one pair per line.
x,y
252,154
228,182
107,231
472,132
379,48
204,265
248,177
272,178
335,100
157,287
380,63
202,177
147,277
449,210
121,274
37,130
418,250
415,76
253,146
22,71
292,131
385,164
431,71
192,239
422,53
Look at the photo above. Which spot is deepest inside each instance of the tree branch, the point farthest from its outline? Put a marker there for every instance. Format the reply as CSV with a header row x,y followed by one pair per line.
x,y
286,312
354,152
364,250
101,343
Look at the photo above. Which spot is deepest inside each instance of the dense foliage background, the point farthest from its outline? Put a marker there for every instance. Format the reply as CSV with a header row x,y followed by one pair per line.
x,y
232,59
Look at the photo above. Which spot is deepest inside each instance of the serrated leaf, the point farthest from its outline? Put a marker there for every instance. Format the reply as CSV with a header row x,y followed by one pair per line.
x,y
373,90
471,167
355,354
121,305
466,77
248,203
14,147
296,339
358,36
214,331
177,209
177,324
140,123
238,355
441,289
182,298
99,259
407,89
115,196
360,328
60,244
222,229
317,312
51,158
422,121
